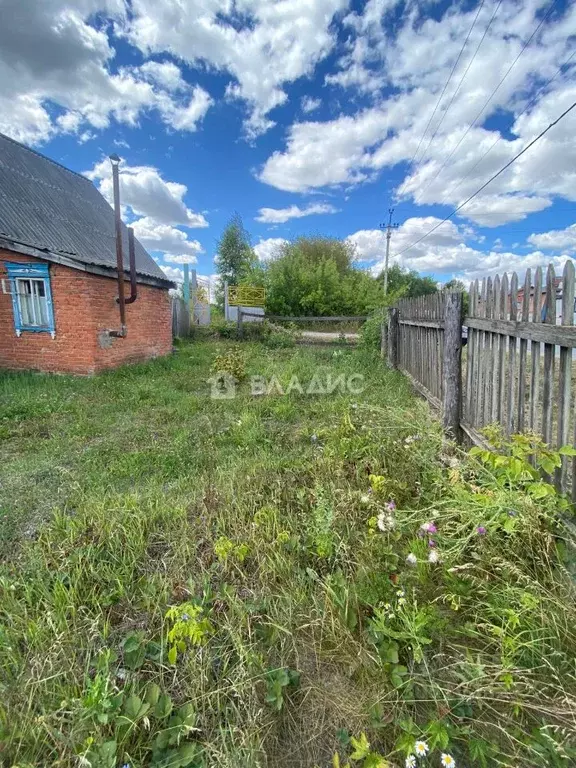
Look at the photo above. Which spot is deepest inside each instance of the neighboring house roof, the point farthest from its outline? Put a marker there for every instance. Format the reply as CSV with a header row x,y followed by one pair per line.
x,y
49,211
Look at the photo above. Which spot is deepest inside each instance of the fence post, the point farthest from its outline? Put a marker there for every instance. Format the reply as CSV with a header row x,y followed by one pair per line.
x,y
452,375
240,326
393,333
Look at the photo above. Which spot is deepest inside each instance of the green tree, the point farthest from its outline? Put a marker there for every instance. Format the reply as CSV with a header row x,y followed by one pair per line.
x,y
408,283
458,286
235,258
314,276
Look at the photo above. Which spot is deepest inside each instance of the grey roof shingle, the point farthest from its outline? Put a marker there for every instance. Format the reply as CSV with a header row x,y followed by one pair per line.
x,y
49,207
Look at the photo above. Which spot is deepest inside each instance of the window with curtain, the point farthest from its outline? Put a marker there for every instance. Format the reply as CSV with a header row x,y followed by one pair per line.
x,y
31,298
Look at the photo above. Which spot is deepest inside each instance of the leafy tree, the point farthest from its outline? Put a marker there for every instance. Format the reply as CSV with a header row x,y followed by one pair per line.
x,y
458,286
314,276
408,283
454,285
235,258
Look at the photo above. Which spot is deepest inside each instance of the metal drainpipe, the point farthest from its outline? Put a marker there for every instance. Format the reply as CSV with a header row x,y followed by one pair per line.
x,y
115,160
133,281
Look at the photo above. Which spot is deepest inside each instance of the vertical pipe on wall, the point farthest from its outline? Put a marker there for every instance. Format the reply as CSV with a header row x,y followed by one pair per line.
x,y
115,160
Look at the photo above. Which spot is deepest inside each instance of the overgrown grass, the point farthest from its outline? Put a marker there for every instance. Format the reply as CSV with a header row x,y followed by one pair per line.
x,y
188,581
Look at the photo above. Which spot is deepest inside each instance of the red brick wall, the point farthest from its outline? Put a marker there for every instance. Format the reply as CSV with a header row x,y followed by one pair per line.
x,y
84,306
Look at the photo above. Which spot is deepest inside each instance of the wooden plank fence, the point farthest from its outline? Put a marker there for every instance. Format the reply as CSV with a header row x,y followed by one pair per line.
x,y
517,369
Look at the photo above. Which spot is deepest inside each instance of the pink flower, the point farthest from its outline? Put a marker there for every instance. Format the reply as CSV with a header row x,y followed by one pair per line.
x,y
432,543
481,531
391,506
428,527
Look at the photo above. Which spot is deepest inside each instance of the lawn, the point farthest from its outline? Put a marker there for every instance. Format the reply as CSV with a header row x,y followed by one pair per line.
x,y
274,580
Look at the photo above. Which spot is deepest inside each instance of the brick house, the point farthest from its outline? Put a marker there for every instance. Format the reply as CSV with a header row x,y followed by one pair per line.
x,y
58,277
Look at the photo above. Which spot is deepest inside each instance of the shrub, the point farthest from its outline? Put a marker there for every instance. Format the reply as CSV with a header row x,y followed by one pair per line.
x,y
232,362
370,334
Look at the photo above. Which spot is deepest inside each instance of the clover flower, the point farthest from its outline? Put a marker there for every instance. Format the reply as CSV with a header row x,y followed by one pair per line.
x,y
433,556
481,530
428,527
385,522
411,559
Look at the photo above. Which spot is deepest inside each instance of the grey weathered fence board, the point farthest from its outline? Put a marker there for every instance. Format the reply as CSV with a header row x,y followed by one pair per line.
x,y
535,354
565,371
522,357
550,319
505,379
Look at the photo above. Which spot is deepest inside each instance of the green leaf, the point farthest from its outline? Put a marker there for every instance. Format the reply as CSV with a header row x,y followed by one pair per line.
x,y
132,706
134,651
163,706
172,655
391,654
361,747
152,694
547,464
567,450
187,713
187,753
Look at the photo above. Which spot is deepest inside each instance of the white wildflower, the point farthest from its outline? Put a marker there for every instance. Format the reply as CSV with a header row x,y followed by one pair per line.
x,y
433,556
386,522
411,559
421,748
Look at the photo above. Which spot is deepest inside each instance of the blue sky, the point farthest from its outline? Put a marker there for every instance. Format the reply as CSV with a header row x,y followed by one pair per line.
x,y
309,116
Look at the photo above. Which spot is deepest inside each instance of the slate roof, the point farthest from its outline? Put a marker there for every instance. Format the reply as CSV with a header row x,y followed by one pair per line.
x,y
48,207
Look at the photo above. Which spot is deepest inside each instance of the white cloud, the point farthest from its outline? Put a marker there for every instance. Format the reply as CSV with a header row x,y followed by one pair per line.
x,y
183,258
173,273
187,116
165,74
370,244
143,189
446,253
413,58
310,104
269,248
165,238
555,239
263,45
57,55
281,215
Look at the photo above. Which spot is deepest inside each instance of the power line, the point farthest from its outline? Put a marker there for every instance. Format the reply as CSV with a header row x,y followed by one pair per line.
x,y
526,108
446,86
491,179
464,74
473,123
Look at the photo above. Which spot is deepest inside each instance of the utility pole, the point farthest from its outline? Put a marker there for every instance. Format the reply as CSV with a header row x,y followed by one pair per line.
x,y
388,227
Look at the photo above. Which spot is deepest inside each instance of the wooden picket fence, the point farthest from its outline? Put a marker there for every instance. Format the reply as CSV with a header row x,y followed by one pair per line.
x,y
517,367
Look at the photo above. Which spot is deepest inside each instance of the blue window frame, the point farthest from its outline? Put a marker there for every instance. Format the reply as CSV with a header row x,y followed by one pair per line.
x,y
31,298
